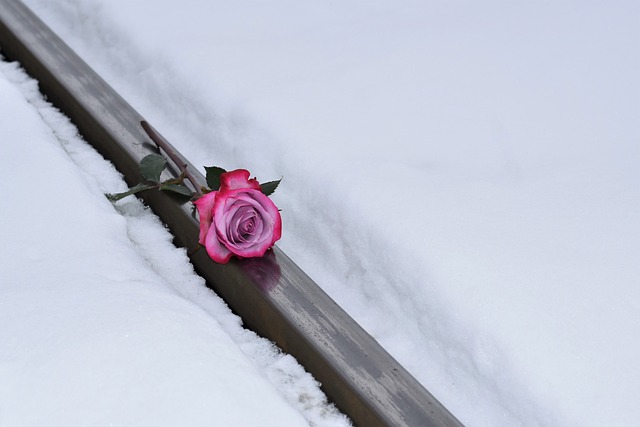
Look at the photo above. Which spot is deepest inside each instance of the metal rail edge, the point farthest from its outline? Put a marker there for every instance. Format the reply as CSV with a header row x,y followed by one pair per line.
x,y
272,295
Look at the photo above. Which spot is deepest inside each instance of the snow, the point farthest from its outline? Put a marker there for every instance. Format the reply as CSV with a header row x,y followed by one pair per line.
x,y
102,319
461,177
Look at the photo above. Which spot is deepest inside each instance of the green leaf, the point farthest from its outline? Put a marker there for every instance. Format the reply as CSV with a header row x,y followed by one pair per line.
x,y
213,177
269,187
177,189
133,190
152,166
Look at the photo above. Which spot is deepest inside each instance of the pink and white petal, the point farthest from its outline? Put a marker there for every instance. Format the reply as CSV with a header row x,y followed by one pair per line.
x,y
277,229
204,205
216,250
237,179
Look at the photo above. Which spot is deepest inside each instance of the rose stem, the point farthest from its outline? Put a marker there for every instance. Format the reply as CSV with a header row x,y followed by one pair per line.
x,y
163,144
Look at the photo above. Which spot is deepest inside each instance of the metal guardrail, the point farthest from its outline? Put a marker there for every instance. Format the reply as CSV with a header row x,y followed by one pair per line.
x,y
274,297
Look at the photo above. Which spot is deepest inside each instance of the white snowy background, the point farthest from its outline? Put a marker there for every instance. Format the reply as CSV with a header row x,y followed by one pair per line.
x,y
462,177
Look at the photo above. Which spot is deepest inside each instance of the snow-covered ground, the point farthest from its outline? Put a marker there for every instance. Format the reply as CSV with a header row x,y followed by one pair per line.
x,y
102,320
462,177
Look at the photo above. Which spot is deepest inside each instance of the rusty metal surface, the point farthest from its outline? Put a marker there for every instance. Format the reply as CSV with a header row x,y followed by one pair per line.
x,y
273,296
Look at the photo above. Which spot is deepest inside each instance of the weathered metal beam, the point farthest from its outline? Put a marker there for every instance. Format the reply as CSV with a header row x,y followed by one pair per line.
x,y
273,296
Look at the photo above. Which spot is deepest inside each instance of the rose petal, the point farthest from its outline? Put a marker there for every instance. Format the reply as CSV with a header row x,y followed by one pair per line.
x,y
235,206
216,250
244,225
237,179
270,211
204,205
248,232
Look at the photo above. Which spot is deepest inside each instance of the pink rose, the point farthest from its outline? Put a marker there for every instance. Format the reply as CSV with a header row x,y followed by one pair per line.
x,y
238,219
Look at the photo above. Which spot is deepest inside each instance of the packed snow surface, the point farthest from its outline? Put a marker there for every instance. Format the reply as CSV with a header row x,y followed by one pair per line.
x,y
102,320
462,177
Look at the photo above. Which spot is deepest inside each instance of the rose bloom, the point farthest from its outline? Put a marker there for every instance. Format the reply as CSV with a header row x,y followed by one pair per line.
x,y
238,219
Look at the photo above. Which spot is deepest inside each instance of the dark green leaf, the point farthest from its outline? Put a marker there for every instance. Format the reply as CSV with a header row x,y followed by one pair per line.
x,y
213,177
133,190
269,187
152,166
177,188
